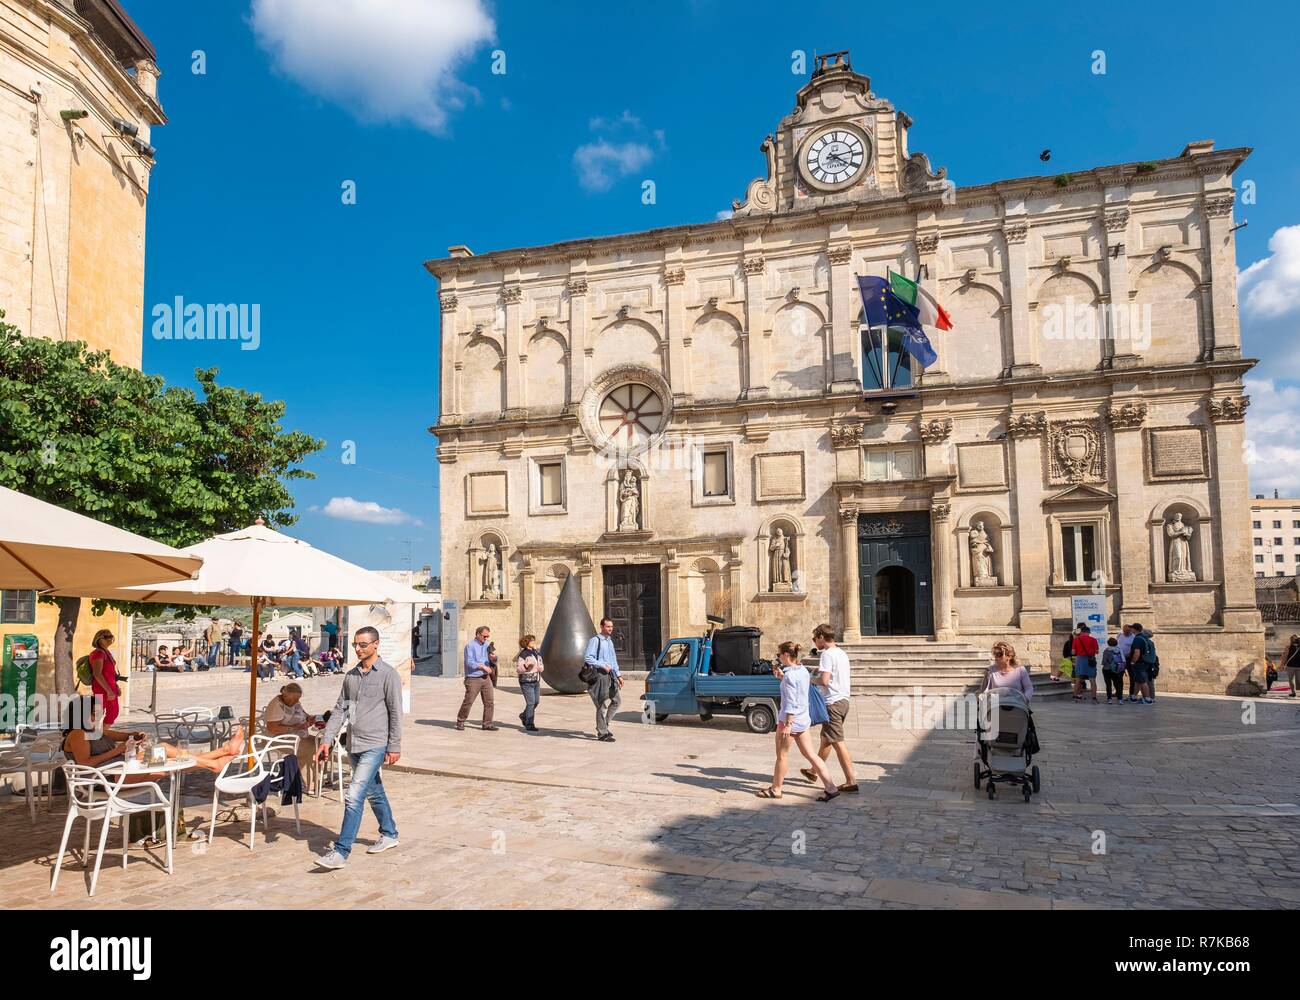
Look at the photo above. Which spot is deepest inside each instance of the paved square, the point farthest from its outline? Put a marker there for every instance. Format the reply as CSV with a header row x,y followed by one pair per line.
x,y
1187,805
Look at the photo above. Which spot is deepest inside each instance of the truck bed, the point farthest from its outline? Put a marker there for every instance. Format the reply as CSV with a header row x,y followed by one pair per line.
x,y
730,686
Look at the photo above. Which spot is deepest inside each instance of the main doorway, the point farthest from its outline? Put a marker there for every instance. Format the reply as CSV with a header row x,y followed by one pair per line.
x,y
894,574
632,601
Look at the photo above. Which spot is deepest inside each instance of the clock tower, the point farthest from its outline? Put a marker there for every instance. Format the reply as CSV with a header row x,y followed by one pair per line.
x,y
841,143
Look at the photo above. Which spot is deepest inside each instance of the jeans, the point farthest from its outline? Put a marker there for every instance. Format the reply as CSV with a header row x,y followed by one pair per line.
x,y
367,784
293,662
214,651
532,695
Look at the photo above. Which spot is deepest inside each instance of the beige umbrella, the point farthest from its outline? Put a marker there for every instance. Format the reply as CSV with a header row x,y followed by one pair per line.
x,y
260,568
44,547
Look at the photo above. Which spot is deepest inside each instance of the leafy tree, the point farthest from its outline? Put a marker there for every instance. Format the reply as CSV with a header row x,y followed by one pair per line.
x,y
121,446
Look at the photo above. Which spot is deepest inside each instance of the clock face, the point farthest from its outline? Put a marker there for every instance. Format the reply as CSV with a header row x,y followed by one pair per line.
x,y
630,415
834,158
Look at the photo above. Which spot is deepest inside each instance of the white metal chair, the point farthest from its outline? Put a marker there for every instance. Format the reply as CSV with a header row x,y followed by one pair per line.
x,y
201,723
94,795
238,778
334,767
36,762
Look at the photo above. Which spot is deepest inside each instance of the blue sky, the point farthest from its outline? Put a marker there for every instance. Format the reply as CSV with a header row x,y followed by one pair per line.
x,y
399,96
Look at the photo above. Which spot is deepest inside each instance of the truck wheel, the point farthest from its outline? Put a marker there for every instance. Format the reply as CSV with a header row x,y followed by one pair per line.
x,y
760,719
661,718
706,716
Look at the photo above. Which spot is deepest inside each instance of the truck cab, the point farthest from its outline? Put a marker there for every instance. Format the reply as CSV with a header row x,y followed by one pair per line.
x,y
683,682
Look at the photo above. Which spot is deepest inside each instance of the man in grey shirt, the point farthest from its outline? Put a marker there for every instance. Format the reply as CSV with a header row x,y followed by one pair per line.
x,y
371,705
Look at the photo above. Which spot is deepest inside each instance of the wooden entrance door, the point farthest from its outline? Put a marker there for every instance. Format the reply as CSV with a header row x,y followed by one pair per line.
x,y
894,568
632,601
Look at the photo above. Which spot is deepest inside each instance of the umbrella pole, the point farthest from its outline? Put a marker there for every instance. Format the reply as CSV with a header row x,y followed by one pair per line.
x,y
253,648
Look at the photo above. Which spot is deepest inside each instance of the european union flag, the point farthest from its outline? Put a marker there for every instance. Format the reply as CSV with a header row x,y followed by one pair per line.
x,y
881,307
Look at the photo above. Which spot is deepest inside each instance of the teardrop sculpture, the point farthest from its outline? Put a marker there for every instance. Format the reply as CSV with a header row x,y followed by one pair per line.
x,y
565,642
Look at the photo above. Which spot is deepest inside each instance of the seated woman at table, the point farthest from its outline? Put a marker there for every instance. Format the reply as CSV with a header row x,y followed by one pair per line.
x,y
84,717
285,716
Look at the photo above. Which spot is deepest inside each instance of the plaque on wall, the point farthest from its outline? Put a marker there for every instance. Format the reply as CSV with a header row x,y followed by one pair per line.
x,y
779,476
1177,453
485,493
981,465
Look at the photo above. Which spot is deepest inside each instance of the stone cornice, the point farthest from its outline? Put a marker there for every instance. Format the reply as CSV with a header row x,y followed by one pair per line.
x,y
1220,162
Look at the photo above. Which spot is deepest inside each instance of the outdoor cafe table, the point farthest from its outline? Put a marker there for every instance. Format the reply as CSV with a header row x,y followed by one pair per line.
x,y
173,768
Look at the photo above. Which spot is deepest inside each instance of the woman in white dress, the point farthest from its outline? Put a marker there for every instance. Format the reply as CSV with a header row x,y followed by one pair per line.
x,y
792,724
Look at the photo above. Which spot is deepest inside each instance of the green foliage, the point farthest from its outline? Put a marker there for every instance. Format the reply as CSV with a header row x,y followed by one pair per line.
x,y
123,447
1064,180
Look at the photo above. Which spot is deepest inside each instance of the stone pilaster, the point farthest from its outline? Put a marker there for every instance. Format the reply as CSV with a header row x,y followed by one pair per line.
x,y
1231,493
1024,352
1221,253
579,336
941,542
512,296
927,264
1025,431
675,321
449,403
844,315
1118,352
1131,514
848,514
755,346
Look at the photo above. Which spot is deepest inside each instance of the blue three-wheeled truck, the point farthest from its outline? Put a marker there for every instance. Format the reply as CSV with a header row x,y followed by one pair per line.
x,y
716,674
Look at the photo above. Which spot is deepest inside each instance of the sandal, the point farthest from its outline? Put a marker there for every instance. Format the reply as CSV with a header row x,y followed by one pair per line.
x,y
827,796
769,793
849,788
810,774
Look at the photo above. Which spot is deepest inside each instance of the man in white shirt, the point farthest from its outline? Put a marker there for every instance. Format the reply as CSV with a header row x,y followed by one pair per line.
x,y
833,676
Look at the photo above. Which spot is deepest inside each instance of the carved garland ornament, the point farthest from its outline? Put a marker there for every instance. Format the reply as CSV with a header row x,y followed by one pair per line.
x,y
511,294
846,435
1015,232
448,301
577,286
1024,425
1116,221
1229,409
839,255
934,431
928,243
674,276
1126,415
1218,206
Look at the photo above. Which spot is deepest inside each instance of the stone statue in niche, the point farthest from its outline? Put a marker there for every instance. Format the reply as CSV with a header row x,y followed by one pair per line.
x,y
629,503
1180,550
981,557
491,588
779,580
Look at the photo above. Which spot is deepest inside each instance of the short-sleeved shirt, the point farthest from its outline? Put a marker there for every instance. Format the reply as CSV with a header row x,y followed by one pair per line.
x,y
286,715
834,662
1145,650
1085,645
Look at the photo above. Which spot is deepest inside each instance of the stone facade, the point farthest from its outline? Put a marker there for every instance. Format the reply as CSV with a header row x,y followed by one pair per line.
x,y
1080,432
73,191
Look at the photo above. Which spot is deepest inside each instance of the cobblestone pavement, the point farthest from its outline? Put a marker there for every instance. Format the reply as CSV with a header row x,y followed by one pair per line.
x,y
1181,804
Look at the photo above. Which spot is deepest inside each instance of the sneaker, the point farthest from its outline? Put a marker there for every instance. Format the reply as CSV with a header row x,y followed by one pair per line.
x,y
332,860
1147,701
460,727
521,718
1109,702
532,729
382,844
606,738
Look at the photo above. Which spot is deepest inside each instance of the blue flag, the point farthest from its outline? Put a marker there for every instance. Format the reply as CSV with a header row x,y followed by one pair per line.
x,y
881,307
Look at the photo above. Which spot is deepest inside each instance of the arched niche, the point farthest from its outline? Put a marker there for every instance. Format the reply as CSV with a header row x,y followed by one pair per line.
x,y
979,317
1068,324
628,342
705,593
997,530
546,371
791,537
615,481
1194,515
797,359
482,587
717,358
549,584
1164,320
482,377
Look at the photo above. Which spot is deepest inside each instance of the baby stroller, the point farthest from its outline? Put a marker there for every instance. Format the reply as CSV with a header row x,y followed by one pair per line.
x,y
1006,751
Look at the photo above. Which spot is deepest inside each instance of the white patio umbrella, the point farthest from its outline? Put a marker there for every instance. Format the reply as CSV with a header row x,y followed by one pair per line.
x,y
260,568
44,547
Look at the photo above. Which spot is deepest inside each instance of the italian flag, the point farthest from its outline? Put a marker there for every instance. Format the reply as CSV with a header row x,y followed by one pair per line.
x,y
927,307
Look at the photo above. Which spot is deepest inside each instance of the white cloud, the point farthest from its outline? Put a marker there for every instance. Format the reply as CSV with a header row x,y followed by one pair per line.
x,y
599,124
1271,287
366,511
1272,447
600,163
725,214
383,60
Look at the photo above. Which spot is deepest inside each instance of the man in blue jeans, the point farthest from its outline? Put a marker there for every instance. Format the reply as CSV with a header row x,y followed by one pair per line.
x,y
371,705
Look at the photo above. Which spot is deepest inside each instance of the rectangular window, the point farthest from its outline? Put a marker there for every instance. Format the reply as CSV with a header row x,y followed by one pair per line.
x,y
1295,524
1256,525
716,480
885,464
1078,547
550,484
885,365
1277,524
1259,559
1279,558
1259,541
1277,541
17,607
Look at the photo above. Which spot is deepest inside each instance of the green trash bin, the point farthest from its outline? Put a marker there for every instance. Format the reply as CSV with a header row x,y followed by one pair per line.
x,y
18,680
